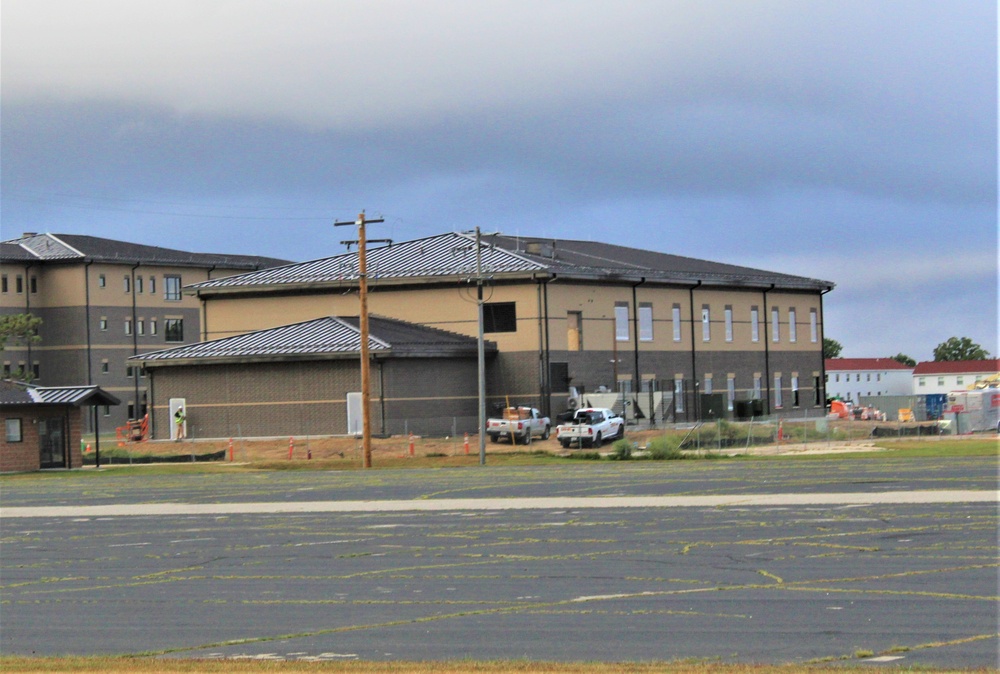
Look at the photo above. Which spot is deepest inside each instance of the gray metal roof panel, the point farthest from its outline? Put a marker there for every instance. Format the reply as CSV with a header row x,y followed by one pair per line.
x,y
450,255
329,335
20,393
436,256
66,247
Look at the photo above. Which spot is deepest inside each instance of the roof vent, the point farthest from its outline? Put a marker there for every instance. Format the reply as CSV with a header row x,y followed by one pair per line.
x,y
27,234
541,248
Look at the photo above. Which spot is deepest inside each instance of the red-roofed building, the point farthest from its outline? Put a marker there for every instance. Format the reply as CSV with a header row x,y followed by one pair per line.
x,y
952,375
852,378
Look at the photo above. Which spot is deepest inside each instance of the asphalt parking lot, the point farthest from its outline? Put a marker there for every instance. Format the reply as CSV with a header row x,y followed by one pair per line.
x,y
911,584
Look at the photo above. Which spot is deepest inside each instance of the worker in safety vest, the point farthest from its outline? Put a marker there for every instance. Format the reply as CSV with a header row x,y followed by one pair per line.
x,y
179,418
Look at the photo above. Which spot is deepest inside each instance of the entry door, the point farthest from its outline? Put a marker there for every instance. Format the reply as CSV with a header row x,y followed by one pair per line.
x,y
52,442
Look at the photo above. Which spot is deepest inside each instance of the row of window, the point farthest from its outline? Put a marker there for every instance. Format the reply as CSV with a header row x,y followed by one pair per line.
x,y
173,328
756,392
36,370
172,285
645,309
857,377
959,380
18,284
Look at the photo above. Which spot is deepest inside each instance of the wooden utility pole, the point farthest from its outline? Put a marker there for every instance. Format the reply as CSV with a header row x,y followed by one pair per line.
x,y
366,394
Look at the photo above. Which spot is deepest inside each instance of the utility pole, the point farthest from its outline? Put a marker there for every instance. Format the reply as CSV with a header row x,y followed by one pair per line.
x,y
366,394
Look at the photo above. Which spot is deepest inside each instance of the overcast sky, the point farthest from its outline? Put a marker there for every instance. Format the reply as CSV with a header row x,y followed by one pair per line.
x,y
851,141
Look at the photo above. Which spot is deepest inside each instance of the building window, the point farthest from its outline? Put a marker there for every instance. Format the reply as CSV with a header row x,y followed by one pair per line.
x,y
775,325
128,284
172,288
104,367
142,373
13,429
817,397
173,329
793,333
758,386
128,371
706,323
836,377
33,283
813,326
922,381
128,326
574,331
730,391
152,285
777,390
645,322
102,281
676,318
621,322
940,381
138,284
36,370
729,323
152,326
18,284
3,284
795,391
141,326
104,324
708,384
960,380
107,410
499,317
6,370
678,394
754,324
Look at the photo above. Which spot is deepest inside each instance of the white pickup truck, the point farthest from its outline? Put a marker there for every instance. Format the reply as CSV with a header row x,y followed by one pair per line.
x,y
590,427
520,424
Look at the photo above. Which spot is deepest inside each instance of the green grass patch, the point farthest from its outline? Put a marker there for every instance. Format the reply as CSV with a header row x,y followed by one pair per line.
x,y
141,665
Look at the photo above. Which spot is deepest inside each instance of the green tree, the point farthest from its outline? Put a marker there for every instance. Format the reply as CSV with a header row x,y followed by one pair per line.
x,y
904,359
831,348
960,349
17,330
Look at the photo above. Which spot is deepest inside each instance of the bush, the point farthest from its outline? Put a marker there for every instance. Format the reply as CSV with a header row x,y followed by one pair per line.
x,y
664,448
621,450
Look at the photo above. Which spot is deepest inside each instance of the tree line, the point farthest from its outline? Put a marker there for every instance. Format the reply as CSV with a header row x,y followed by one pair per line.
x,y
953,348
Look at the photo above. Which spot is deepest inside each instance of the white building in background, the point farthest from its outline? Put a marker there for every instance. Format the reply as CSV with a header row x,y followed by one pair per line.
x,y
852,378
947,376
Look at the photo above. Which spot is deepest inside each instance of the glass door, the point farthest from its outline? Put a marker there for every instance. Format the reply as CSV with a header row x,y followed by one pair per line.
x,y
52,441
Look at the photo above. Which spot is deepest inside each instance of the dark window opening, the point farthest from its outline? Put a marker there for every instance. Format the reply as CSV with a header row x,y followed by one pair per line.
x,y
499,317
173,329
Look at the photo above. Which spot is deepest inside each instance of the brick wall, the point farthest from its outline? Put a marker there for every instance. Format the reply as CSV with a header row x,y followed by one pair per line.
x,y
26,455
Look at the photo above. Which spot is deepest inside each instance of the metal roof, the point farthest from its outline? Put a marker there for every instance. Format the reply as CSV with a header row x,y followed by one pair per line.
x,y
330,336
453,255
75,247
450,254
20,393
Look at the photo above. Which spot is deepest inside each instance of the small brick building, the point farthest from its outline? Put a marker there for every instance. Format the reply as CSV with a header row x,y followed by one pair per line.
x,y
43,424
305,379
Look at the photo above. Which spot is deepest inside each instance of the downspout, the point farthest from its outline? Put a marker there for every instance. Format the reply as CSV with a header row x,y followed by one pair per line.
x,y
29,366
135,342
694,370
86,290
203,309
636,381
545,351
767,351
822,353
381,393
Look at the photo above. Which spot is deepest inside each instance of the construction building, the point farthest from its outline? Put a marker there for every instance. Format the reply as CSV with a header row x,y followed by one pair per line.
x,y
667,338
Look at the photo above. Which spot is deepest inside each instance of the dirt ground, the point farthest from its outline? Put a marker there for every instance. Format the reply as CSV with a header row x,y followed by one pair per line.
x,y
348,448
